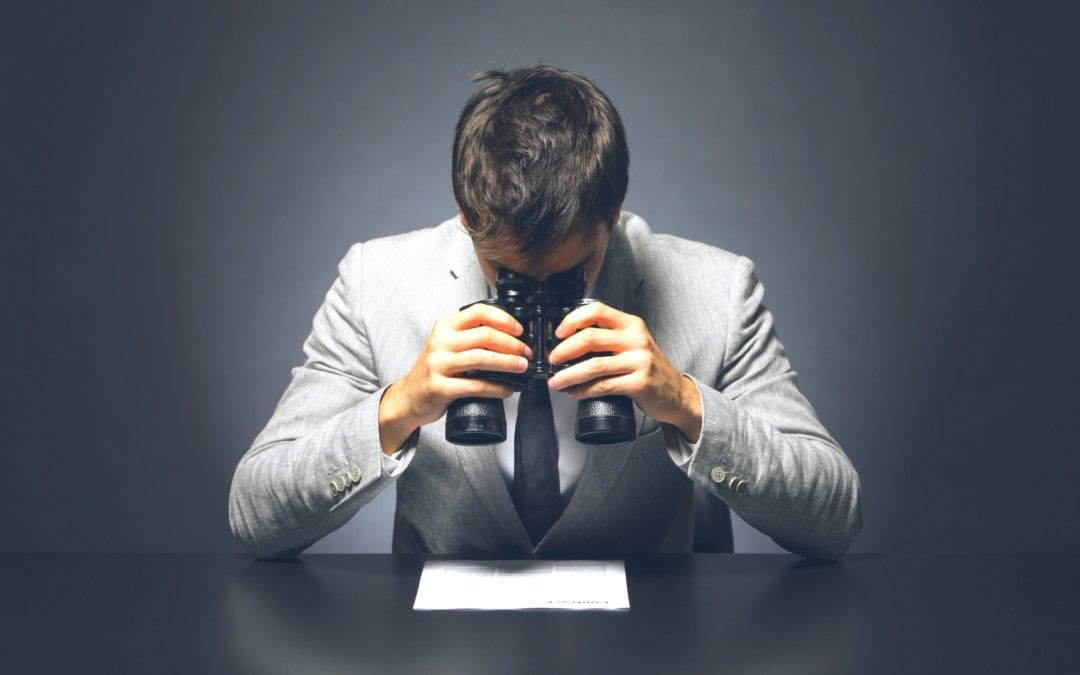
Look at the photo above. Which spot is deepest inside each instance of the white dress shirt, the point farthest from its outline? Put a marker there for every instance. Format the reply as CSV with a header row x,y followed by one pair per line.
x,y
572,453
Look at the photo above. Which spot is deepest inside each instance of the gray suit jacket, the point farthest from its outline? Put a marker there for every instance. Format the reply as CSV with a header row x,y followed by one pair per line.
x,y
762,450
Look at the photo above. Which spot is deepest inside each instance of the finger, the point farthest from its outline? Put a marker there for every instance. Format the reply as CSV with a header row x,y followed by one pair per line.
x,y
586,371
481,314
483,359
620,385
592,340
459,387
594,314
486,337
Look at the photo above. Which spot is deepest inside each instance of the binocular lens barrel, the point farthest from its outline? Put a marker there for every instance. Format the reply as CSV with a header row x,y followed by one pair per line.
x,y
599,421
605,420
540,306
476,421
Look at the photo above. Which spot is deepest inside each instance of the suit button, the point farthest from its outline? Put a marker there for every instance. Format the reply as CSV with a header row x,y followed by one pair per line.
x,y
334,488
355,473
718,475
741,487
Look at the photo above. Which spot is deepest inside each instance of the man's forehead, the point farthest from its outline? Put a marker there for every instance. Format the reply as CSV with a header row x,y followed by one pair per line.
x,y
558,259
543,267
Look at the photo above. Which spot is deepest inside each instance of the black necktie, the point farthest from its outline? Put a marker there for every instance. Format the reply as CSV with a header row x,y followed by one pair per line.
x,y
536,463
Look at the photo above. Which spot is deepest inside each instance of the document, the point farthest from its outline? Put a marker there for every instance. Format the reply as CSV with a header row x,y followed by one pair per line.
x,y
525,584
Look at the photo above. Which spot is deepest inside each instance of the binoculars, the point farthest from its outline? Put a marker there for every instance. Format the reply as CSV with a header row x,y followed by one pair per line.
x,y
539,307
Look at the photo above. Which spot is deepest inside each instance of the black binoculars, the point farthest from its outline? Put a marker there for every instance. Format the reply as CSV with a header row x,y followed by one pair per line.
x,y
539,307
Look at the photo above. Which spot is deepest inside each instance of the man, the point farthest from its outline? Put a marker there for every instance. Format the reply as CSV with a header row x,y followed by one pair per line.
x,y
540,169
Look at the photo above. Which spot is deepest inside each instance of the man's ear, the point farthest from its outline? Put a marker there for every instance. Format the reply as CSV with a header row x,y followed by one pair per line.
x,y
615,216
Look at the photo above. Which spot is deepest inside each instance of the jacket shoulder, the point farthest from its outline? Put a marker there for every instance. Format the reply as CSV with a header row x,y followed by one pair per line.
x,y
398,252
693,263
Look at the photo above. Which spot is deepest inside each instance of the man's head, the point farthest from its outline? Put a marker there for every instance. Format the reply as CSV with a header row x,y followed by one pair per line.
x,y
540,169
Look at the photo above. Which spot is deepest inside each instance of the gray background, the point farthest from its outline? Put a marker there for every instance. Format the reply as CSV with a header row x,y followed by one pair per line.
x,y
180,181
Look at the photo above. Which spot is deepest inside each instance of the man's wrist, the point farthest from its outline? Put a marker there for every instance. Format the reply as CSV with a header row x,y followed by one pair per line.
x,y
395,425
690,421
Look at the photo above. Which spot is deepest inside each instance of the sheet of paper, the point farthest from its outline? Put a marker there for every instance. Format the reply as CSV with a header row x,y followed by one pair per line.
x,y
525,584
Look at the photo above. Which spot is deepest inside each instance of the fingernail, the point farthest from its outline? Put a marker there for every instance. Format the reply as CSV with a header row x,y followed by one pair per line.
x,y
519,328
553,383
528,352
522,363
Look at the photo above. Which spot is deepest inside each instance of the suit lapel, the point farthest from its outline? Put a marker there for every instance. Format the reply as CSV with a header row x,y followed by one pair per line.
x,y
620,282
622,285
479,462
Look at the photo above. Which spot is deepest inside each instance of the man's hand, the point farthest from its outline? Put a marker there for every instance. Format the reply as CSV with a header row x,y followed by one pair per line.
x,y
479,337
636,366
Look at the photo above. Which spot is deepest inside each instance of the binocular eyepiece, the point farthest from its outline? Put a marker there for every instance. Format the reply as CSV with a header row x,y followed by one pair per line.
x,y
539,307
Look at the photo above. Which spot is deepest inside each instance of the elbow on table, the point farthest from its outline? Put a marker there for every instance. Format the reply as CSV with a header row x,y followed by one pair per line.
x,y
838,533
257,544
249,528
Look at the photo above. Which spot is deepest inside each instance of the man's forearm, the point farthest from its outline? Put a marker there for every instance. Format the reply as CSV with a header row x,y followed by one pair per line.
x,y
690,420
395,424
800,489
290,489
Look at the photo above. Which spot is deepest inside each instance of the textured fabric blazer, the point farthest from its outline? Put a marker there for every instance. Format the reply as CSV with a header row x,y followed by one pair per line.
x,y
762,450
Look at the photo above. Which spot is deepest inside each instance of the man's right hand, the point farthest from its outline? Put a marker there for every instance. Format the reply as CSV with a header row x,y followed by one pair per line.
x,y
479,337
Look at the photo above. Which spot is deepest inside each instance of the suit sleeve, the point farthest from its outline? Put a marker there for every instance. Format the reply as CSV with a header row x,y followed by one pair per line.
x,y
762,449
319,458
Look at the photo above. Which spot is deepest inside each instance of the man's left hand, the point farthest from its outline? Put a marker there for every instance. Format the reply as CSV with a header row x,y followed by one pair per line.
x,y
634,366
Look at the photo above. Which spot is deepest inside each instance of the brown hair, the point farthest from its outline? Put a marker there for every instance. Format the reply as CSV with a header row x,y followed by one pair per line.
x,y
540,158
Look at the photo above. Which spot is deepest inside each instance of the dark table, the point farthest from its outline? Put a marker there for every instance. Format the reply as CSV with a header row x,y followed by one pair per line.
x,y
701,613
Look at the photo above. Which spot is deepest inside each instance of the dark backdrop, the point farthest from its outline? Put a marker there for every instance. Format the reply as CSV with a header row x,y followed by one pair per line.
x,y
180,180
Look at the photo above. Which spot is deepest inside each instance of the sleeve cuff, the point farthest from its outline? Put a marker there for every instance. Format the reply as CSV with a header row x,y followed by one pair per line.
x,y
679,449
394,465
716,439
